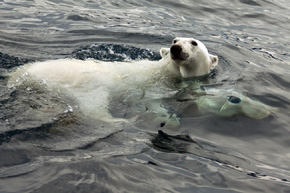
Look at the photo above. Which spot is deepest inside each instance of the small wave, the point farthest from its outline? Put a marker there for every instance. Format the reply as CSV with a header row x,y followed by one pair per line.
x,y
114,52
7,61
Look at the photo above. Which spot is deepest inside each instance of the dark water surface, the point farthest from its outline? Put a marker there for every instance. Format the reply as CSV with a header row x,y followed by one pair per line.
x,y
47,147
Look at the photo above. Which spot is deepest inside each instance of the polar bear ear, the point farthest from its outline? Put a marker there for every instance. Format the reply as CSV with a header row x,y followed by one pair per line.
x,y
214,61
164,52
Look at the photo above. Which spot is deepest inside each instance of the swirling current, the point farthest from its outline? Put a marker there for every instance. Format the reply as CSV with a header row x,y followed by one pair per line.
x,y
47,144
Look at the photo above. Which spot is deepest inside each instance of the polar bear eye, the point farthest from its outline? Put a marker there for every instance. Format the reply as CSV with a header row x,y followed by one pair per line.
x,y
174,41
194,43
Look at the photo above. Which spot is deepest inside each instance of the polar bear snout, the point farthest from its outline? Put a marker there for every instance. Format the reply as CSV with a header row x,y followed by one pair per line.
x,y
175,50
176,53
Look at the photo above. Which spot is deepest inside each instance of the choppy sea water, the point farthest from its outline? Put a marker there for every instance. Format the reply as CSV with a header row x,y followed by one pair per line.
x,y
45,146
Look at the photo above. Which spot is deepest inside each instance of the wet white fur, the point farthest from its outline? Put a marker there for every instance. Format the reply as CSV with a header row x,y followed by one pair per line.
x,y
93,83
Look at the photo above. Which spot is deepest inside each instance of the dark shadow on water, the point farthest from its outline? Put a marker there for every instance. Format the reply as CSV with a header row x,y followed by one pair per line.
x,y
227,158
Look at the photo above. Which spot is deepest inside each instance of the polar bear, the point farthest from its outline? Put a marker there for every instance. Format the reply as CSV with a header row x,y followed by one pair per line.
x,y
188,57
104,89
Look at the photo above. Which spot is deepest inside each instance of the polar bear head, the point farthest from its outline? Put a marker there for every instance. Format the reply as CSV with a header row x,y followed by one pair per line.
x,y
188,58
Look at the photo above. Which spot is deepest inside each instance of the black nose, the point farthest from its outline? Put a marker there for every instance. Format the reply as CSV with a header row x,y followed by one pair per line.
x,y
175,50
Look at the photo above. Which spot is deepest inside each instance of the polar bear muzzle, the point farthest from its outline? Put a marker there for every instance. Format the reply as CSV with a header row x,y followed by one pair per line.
x,y
177,54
